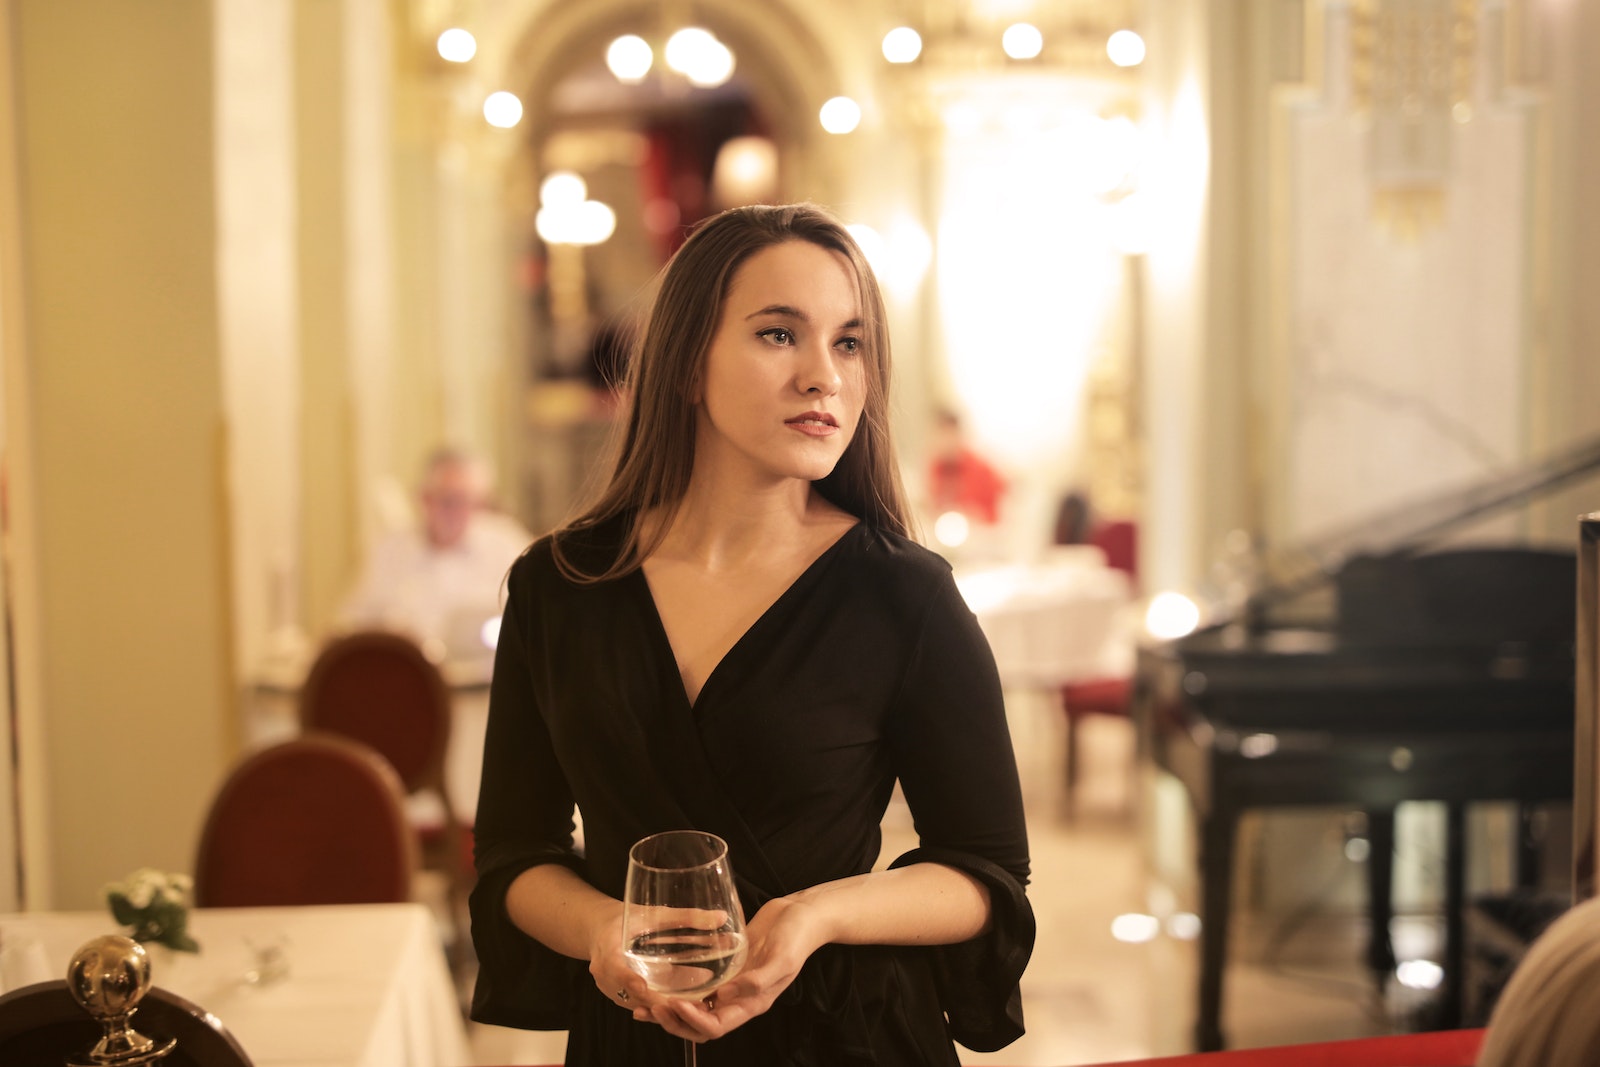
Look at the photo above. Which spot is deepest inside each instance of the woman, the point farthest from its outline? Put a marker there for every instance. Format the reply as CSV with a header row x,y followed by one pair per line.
x,y
739,637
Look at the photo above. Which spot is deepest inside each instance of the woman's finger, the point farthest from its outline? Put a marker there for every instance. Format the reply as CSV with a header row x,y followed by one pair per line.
x,y
702,1023
668,1018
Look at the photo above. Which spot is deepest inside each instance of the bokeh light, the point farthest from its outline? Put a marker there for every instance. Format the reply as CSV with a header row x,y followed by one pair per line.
x,y
712,67
502,109
1135,928
562,188
1419,974
1171,615
902,45
1022,40
629,58
457,45
952,529
840,115
1183,926
1125,48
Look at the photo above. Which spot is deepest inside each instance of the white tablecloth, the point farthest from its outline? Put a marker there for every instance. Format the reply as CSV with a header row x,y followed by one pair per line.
x,y
1060,620
367,985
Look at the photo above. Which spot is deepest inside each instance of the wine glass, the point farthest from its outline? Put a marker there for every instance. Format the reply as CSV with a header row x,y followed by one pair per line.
x,y
682,928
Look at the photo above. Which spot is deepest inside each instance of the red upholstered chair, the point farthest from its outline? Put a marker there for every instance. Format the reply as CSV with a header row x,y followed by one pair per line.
x,y
1079,700
1109,695
314,820
1442,1048
377,687
43,1024
1119,540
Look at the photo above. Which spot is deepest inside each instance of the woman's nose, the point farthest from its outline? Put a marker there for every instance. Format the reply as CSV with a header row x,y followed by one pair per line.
x,y
819,374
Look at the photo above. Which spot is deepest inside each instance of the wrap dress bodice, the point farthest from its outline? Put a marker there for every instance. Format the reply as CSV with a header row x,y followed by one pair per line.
x,y
867,670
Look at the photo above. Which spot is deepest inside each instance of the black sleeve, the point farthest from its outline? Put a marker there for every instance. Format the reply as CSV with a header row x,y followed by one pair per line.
x,y
958,770
524,819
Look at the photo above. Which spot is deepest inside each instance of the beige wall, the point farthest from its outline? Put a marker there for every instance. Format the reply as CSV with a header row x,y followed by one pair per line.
x,y
118,233
1178,291
198,346
23,798
258,312
329,538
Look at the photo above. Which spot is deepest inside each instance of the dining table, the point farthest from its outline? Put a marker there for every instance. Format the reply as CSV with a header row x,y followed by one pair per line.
x,y
1063,617
358,985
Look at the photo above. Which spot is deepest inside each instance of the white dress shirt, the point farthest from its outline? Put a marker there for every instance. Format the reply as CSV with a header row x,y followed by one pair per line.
x,y
444,595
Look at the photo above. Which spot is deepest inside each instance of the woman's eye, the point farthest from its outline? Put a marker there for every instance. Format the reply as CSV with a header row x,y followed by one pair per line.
x,y
778,335
851,345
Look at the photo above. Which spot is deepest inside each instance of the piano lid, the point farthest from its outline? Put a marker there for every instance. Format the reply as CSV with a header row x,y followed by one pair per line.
x,y
1289,573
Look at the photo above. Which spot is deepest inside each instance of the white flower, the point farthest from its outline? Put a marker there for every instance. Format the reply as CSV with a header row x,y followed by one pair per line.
x,y
147,885
139,893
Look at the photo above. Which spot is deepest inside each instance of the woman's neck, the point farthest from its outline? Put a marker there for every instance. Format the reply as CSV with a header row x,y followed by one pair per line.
x,y
726,530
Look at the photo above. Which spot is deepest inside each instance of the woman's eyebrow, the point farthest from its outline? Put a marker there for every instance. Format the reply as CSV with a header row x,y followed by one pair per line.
x,y
785,311
780,309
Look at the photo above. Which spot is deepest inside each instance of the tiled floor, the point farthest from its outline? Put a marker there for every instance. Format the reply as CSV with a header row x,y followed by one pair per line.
x,y
1090,998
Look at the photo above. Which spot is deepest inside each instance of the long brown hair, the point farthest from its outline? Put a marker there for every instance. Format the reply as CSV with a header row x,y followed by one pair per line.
x,y
656,436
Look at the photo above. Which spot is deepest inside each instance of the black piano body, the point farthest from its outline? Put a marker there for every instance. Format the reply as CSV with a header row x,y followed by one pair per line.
x,y
1442,674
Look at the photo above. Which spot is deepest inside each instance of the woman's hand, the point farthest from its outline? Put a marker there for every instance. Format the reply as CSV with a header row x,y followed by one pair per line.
x,y
609,966
779,940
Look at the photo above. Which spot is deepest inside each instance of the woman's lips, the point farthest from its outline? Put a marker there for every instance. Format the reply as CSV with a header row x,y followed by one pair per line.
x,y
814,424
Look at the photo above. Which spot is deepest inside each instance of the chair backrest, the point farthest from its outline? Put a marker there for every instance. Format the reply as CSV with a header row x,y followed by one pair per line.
x,y
1440,1048
43,1024
380,689
1119,540
318,819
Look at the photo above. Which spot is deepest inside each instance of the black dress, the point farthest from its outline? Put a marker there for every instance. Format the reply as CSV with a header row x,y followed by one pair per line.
x,y
870,667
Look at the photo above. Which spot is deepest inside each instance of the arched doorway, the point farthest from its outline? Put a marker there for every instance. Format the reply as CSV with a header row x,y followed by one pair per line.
x,y
660,152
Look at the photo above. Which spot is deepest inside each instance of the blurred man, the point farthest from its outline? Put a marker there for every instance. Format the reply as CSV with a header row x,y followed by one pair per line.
x,y
440,581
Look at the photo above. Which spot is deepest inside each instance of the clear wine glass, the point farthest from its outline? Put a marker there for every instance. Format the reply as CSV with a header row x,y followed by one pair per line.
x,y
682,927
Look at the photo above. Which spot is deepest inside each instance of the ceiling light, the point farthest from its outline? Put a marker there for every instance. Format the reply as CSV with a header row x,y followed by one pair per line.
x,y
902,45
587,223
713,65
840,115
1125,48
457,45
685,48
1022,41
502,109
699,56
629,58
562,188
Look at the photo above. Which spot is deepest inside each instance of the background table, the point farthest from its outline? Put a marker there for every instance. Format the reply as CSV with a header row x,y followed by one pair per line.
x,y
367,985
1055,621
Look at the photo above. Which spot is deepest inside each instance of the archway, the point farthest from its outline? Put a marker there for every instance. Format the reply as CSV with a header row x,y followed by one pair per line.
x,y
657,154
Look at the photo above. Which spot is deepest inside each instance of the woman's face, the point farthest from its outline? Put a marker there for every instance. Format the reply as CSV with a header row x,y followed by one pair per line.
x,y
785,378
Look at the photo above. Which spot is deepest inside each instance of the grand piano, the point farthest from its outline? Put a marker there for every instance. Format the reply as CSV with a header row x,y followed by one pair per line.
x,y
1372,666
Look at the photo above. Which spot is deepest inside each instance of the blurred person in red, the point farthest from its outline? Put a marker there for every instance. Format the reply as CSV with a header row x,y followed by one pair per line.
x,y
958,478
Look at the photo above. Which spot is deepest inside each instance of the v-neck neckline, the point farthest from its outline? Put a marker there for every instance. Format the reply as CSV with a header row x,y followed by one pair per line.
x,y
734,649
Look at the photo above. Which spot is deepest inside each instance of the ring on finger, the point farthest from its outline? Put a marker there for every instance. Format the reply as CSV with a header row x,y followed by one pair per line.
x,y
622,995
